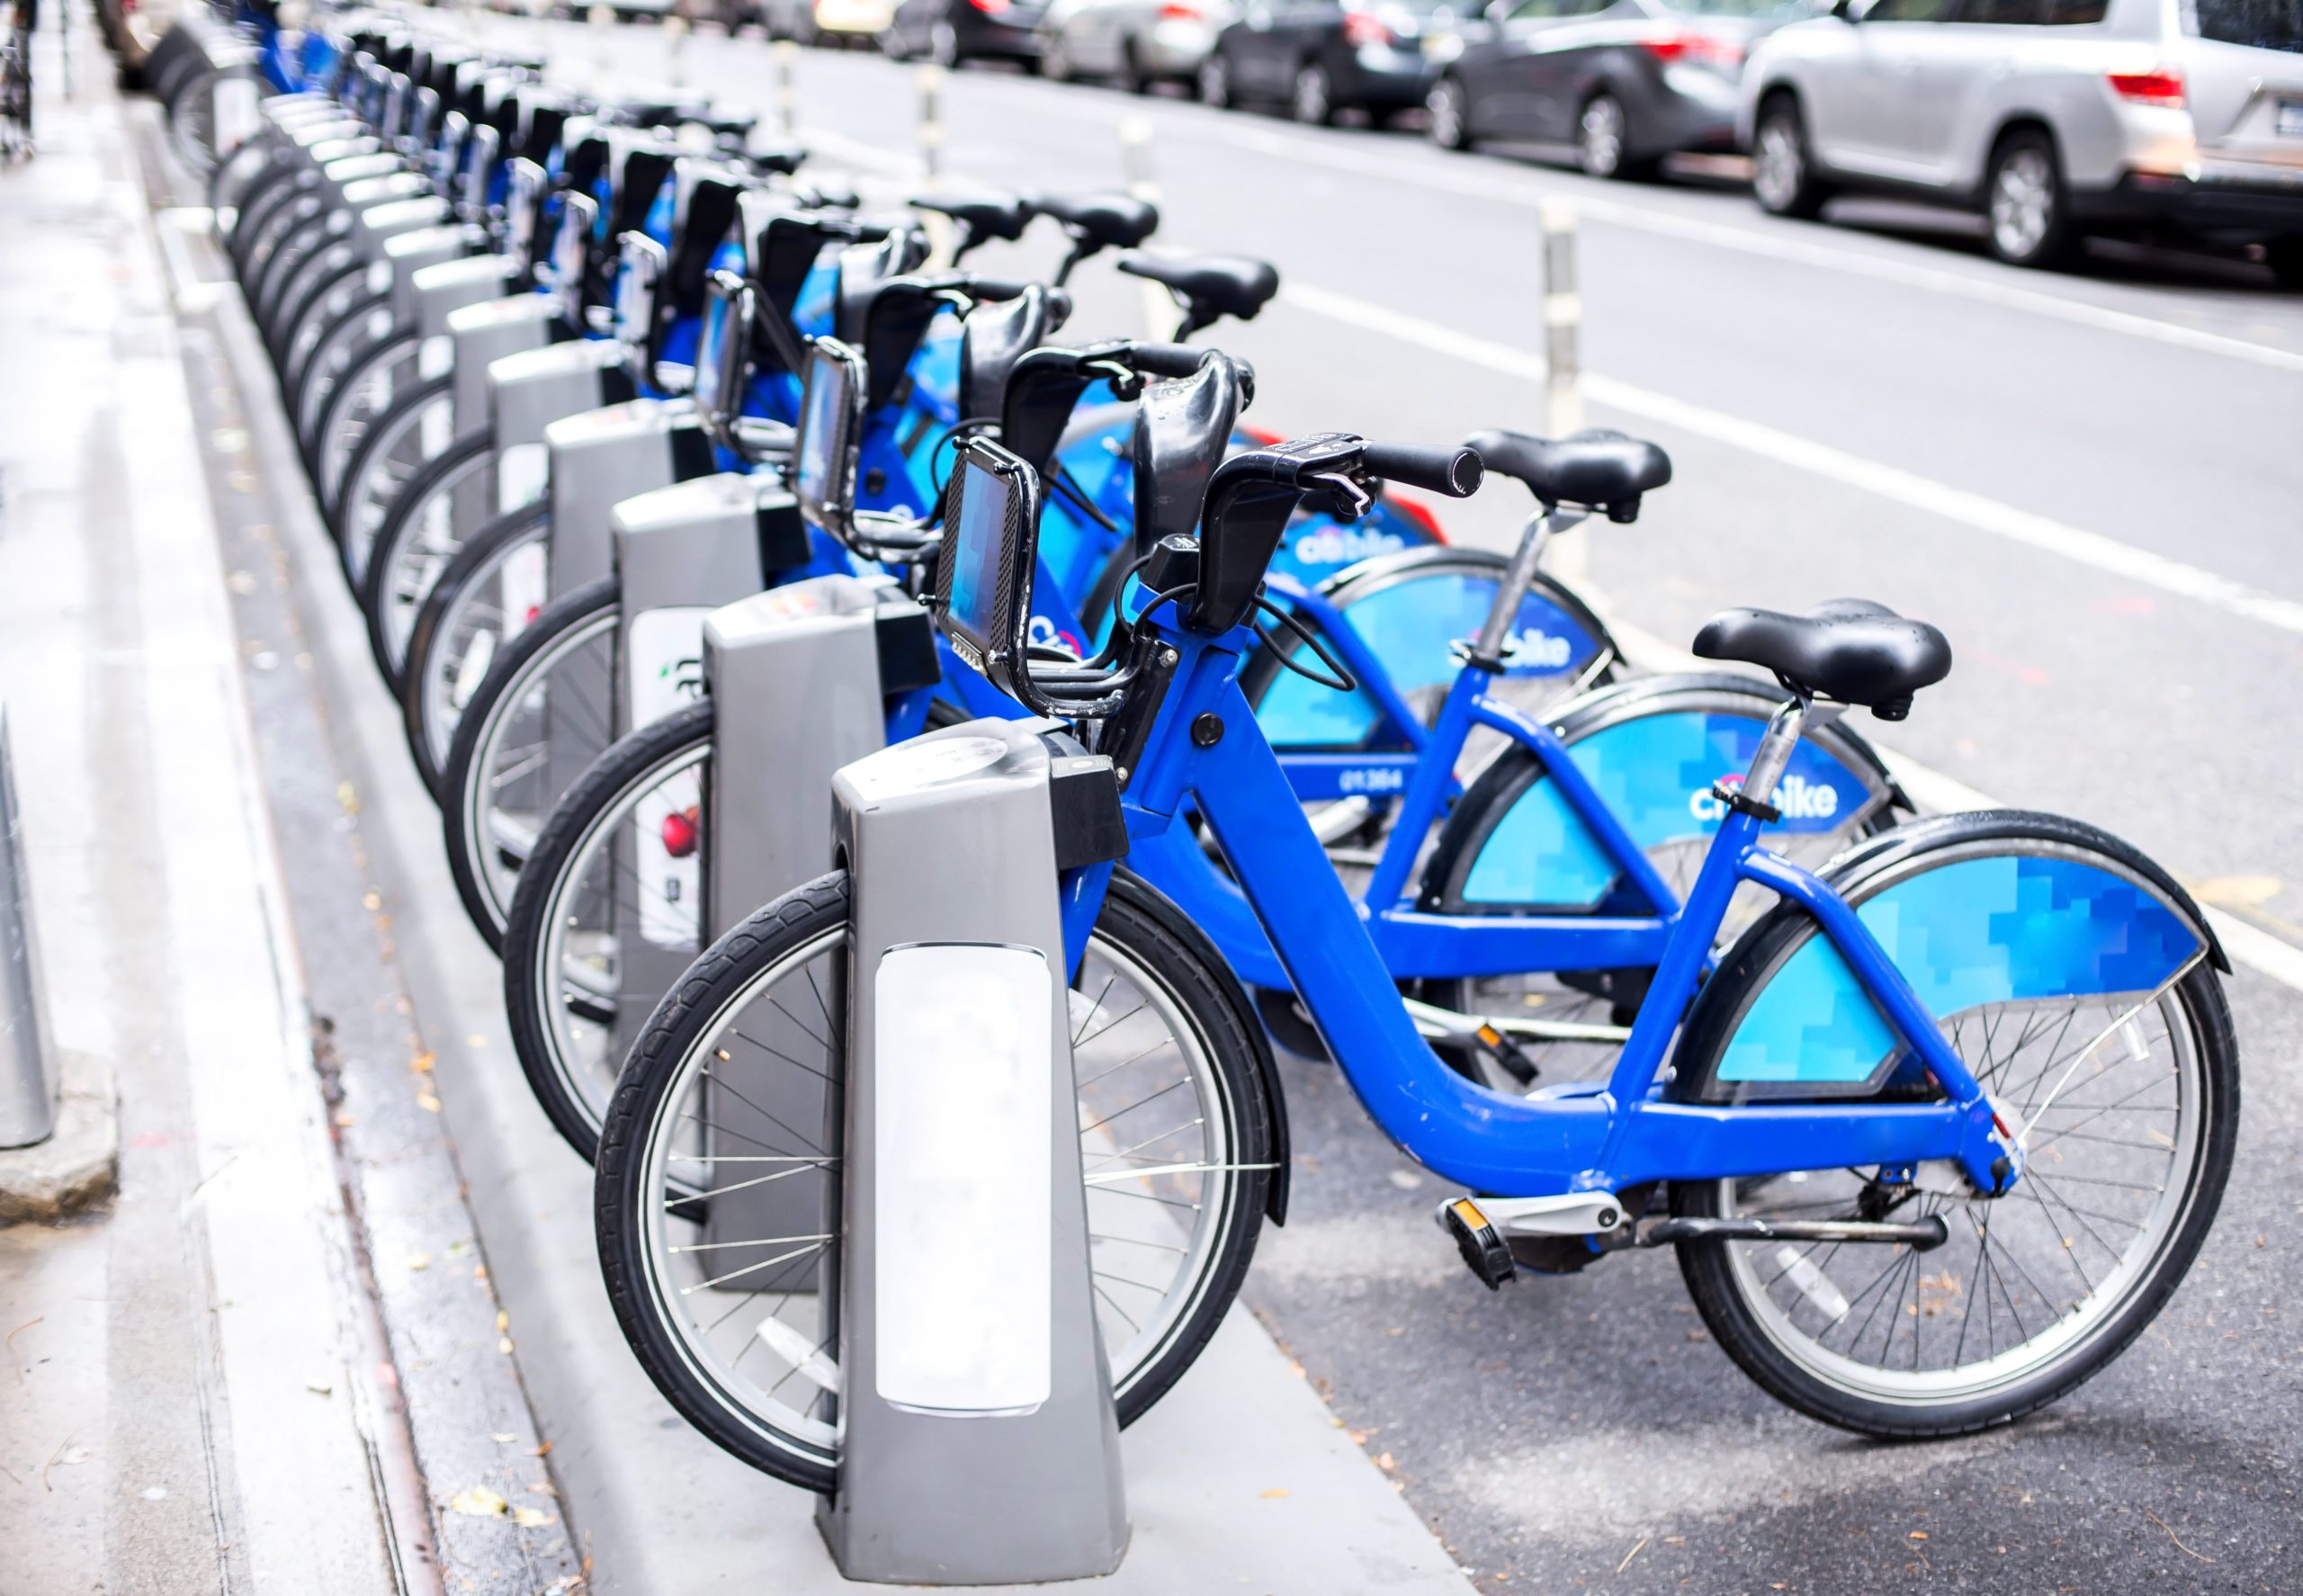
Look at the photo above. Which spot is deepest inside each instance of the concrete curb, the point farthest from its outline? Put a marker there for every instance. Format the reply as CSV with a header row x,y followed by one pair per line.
x,y
76,1168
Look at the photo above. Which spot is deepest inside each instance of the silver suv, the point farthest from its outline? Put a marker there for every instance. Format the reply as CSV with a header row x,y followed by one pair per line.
x,y
2054,118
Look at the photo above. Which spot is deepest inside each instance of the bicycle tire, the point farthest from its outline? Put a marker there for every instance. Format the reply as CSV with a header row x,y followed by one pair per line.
x,y
310,392
473,564
1762,1337
354,542
632,767
324,463
571,622
1139,924
385,587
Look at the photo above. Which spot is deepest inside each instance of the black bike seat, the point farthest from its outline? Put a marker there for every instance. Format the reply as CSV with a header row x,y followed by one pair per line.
x,y
1846,649
780,160
984,215
1604,470
1103,221
1217,284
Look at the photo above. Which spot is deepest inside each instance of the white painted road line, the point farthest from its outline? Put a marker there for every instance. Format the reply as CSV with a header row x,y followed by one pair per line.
x,y
2092,549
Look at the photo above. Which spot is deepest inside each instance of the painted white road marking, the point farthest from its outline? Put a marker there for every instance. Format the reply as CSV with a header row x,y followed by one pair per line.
x,y
2092,549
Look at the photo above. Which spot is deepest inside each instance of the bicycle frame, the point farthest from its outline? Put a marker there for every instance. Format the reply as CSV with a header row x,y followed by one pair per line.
x,y
1582,1137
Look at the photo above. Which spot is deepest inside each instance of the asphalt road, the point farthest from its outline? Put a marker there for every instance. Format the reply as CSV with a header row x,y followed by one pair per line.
x,y
2091,481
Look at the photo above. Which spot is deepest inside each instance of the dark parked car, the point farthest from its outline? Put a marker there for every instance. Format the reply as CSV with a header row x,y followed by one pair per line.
x,y
1625,82
949,31
1319,57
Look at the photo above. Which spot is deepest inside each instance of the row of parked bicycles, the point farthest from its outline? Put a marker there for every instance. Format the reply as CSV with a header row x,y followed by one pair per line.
x,y
596,396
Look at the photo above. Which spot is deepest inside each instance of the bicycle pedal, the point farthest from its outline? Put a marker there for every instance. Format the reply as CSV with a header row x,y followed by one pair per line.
x,y
1509,1055
1477,1239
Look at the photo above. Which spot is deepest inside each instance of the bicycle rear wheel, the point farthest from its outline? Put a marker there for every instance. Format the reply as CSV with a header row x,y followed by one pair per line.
x,y
2126,1103
715,1284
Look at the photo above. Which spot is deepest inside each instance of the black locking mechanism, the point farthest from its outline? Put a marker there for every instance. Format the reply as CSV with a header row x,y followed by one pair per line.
x,y
1083,796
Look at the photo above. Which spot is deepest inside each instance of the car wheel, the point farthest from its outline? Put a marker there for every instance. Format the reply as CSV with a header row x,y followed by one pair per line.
x,y
1313,103
891,45
1215,82
1602,133
1447,115
1055,61
2285,257
943,46
2027,221
1783,172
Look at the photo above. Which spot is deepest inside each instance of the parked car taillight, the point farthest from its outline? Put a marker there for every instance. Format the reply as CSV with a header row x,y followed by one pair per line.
x,y
989,7
1705,48
1176,11
2149,89
1360,27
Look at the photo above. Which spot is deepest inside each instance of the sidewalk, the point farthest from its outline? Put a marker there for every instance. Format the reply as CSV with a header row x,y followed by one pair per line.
x,y
190,1403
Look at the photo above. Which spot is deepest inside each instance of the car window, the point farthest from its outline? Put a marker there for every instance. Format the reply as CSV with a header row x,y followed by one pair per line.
x,y
1787,9
1911,11
2035,14
2266,24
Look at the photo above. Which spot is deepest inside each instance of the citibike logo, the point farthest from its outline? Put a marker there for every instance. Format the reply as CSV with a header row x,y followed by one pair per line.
x,y
1798,798
1045,634
1538,649
1346,545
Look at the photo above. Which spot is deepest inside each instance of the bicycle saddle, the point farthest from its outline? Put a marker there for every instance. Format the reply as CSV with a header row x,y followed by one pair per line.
x,y
778,160
1604,470
985,216
1845,649
1102,221
1212,285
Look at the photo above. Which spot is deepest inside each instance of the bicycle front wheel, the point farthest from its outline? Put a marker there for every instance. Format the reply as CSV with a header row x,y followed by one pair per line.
x,y
608,913
720,1163
491,590
539,719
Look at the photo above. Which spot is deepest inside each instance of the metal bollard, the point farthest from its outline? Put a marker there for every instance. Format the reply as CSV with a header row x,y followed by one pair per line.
x,y
1135,165
787,86
1562,358
931,122
27,1082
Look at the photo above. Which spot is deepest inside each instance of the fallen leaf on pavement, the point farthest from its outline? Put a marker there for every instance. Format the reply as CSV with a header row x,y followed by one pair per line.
x,y
529,1518
479,1502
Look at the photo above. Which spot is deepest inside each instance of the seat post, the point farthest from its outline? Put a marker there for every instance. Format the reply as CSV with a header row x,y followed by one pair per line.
x,y
1491,650
1775,752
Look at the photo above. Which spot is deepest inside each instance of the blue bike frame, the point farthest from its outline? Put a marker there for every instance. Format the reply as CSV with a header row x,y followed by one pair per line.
x,y
1591,1136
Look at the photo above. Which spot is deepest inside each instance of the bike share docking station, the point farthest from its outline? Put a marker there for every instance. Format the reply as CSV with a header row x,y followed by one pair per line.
x,y
980,1440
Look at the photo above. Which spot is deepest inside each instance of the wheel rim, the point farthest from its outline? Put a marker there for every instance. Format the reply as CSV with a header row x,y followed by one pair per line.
x,y
579,965
353,405
946,45
393,459
2022,202
1602,131
1214,82
1776,174
485,614
428,539
1167,1212
516,776
2111,1096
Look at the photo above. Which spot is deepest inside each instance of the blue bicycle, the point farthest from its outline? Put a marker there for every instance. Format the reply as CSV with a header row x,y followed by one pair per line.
x,y
1935,1139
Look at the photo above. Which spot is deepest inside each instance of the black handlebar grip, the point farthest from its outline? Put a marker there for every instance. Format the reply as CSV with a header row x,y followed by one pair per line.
x,y
1453,471
1166,360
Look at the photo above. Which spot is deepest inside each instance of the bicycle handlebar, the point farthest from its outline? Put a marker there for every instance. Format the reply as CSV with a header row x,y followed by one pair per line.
x,y
1454,472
